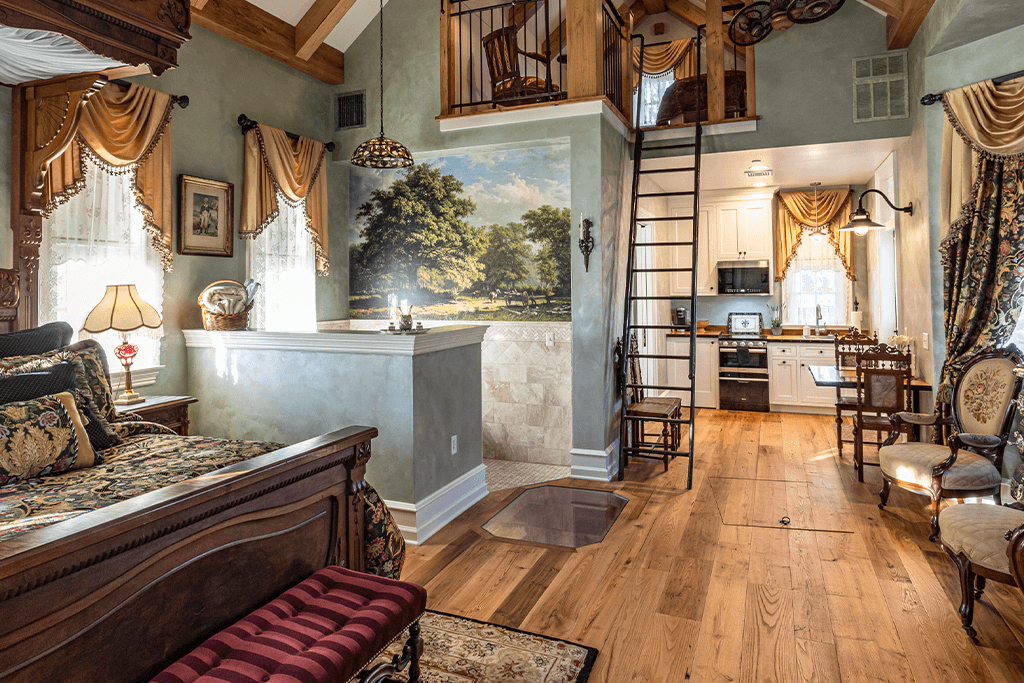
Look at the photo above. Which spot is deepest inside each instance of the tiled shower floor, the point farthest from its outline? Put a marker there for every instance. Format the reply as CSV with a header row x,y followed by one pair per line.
x,y
508,474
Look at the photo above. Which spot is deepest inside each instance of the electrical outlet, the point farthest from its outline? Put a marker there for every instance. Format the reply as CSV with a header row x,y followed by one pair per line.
x,y
924,340
455,444
549,339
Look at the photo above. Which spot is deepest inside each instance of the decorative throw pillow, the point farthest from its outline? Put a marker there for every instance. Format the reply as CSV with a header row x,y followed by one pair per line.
x,y
48,337
26,377
95,376
385,547
41,437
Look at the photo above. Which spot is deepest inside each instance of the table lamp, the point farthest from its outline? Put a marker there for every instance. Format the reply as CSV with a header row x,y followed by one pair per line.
x,y
122,309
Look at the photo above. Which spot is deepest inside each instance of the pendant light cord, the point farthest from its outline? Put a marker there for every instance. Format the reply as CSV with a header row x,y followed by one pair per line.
x,y
382,68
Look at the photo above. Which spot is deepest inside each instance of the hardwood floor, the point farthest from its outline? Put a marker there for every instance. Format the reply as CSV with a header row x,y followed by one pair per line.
x,y
707,586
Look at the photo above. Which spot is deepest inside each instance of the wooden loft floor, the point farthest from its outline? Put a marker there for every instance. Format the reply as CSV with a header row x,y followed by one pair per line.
x,y
706,584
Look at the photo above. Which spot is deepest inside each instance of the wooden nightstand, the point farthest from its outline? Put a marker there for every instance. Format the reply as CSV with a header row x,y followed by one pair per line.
x,y
170,411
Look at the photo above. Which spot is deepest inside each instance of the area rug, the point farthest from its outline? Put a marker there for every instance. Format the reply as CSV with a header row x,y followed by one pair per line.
x,y
461,650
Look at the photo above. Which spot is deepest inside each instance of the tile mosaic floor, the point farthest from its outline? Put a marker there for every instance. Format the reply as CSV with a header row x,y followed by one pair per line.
x,y
507,474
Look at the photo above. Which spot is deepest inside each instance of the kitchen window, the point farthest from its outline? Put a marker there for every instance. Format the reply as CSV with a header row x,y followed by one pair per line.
x,y
816,277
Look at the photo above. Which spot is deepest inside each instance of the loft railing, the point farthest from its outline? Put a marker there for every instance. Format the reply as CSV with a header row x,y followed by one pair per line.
x,y
617,60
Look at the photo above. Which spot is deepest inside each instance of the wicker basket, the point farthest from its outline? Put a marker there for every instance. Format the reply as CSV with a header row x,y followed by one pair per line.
x,y
232,322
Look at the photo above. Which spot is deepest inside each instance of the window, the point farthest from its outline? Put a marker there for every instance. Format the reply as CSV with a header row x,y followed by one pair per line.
x,y
97,239
816,277
880,88
654,89
283,260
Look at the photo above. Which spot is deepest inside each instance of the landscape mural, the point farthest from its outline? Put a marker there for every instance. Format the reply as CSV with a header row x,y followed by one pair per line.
x,y
481,236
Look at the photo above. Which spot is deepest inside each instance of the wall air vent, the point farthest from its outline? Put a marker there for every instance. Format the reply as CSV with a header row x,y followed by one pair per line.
x,y
880,87
350,110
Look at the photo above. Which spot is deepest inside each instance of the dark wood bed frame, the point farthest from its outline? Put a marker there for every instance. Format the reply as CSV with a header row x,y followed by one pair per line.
x,y
120,593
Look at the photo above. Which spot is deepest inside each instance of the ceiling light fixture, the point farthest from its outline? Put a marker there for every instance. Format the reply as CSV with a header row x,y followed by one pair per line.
x,y
861,223
382,152
755,21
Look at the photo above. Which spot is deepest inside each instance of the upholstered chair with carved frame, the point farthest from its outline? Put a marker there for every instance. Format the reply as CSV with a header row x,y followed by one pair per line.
x,y
847,347
883,389
983,409
984,542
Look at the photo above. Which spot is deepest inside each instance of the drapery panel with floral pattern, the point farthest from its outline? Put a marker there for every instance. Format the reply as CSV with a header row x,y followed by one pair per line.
x,y
982,214
276,165
123,130
797,209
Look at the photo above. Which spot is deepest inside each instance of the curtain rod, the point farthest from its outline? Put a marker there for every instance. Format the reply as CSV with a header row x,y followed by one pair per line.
x,y
248,124
180,100
932,98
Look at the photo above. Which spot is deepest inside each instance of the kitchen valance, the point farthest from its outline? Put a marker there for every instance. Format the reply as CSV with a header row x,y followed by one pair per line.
x,y
797,209
277,167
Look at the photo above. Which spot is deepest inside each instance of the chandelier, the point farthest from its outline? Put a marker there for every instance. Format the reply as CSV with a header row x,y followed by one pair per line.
x,y
754,22
382,152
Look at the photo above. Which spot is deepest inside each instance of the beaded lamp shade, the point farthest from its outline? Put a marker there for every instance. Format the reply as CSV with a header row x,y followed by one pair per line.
x,y
382,152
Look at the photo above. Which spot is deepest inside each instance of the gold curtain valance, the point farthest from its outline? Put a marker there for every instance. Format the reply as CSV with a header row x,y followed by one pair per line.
x,y
296,169
797,209
677,54
123,130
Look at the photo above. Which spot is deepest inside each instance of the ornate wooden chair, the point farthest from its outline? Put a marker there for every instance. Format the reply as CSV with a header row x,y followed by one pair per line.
x,y
883,389
984,542
983,409
847,348
501,48
657,408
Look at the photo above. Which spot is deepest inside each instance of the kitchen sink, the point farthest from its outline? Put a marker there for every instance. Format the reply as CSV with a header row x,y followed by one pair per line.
x,y
819,337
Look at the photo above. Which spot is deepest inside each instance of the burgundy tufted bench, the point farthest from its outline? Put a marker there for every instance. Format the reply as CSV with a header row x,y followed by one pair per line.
x,y
326,629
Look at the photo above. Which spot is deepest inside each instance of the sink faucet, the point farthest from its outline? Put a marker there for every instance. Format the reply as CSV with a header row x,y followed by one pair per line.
x,y
817,320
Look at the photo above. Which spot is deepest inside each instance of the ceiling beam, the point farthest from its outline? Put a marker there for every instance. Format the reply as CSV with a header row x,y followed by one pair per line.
x,y
317,23
556,41
199,4
900,32
261,31
691,14
894,8
637,9
655,6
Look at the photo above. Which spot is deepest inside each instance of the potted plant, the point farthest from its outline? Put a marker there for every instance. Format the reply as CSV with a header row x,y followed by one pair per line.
x,y
776,318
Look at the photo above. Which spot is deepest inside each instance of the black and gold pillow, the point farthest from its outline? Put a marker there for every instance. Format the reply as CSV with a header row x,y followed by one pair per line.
x,y
40,437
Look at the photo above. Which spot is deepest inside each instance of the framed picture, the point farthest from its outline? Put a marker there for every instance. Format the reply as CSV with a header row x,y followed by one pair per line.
x,y
205,221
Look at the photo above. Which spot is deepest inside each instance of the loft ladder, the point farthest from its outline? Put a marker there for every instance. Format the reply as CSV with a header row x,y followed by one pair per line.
x,y
630,424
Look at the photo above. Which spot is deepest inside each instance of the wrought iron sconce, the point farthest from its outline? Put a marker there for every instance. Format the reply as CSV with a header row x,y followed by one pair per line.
x,y
586,241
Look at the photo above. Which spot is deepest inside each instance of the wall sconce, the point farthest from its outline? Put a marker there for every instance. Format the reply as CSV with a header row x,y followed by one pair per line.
x,y
861,223
586,241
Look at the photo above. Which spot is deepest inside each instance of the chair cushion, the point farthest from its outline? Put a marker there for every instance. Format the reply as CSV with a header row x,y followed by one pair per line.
x,y
654,407
913,462
327,628
978,531
522,85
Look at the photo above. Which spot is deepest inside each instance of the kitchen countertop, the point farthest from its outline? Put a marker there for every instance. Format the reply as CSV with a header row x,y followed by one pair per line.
x,y
792,338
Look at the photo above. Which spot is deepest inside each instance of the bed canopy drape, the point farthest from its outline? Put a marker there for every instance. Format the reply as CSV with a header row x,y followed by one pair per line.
x,y
797,210
276,166
982,221
123,130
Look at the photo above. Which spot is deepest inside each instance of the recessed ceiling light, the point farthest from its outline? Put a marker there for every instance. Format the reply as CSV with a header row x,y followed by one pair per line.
x,y
756,165
760,184
758,170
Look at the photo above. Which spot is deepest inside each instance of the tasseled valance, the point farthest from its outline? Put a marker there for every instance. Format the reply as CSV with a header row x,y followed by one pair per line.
x,y
797,210
277,166
676,54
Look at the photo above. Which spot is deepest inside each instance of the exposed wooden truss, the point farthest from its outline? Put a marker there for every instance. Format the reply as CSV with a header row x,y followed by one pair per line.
x,y
901,28
258,30
318,22
691,14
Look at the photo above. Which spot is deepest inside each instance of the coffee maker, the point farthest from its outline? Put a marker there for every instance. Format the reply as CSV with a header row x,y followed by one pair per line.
x,y
680,317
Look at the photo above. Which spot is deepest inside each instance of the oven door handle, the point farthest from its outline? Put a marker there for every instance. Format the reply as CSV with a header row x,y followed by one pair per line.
x,y
734,350
745,371
743,381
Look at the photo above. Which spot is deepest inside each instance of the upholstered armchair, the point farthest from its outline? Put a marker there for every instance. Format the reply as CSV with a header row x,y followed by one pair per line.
x,y
984,542
983,408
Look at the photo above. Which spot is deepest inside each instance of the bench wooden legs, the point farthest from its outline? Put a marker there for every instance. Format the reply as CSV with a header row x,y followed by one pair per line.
x,y
382,673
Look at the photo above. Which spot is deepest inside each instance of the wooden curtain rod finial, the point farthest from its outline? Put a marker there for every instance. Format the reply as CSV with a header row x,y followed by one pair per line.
x,y
248,124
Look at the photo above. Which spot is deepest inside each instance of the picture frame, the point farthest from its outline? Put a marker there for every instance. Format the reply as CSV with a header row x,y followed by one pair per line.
x,y
206,218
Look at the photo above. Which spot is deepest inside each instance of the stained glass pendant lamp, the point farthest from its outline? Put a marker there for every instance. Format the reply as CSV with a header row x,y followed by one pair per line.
x,y
382,152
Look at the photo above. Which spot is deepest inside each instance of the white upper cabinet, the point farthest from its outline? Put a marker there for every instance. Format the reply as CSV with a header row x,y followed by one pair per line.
x,y
682,231
744,231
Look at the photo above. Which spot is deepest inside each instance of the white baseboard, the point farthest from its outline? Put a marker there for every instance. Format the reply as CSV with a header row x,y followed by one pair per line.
x,y
595,465
419,521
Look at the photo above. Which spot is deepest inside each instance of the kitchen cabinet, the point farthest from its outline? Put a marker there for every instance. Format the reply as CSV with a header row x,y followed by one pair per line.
x,y
783,388
791,381
743,231
706,371
681,257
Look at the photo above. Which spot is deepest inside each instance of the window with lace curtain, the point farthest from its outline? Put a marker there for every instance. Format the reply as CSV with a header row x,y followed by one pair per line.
x,y
282,258
97,238
654,89
816,277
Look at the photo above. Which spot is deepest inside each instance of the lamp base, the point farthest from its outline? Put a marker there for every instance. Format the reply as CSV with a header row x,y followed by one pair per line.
x,y
129,398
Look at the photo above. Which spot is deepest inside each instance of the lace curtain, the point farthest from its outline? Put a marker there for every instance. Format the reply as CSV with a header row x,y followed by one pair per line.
x,y
283,259
655,86
98,238
816,277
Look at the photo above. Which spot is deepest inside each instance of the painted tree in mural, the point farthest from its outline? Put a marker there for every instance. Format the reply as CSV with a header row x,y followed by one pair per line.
x,y
550,227
506,261
416,236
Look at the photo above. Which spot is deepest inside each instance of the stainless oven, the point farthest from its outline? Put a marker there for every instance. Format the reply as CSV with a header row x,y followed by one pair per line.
x,y
743,365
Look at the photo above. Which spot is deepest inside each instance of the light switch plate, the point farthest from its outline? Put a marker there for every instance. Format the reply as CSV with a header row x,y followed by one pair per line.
x,y
924,340
455,444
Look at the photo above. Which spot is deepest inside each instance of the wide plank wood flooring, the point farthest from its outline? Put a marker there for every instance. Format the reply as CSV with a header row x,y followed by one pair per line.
x,y
706,586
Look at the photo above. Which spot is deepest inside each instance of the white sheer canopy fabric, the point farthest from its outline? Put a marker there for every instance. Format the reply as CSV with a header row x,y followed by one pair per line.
x,y
283,259
30,55
816,277
97,239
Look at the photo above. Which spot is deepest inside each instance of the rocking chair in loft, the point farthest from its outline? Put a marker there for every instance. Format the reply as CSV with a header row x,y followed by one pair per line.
x,y
508,84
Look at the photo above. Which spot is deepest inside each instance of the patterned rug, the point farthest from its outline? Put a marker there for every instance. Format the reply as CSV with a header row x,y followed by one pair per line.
x,y
460,650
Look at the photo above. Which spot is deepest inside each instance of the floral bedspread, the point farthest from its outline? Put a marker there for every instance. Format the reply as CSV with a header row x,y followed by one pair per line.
x,y
141,463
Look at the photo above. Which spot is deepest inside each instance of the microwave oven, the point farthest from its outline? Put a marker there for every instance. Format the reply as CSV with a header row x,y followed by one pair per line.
x,y
743,277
